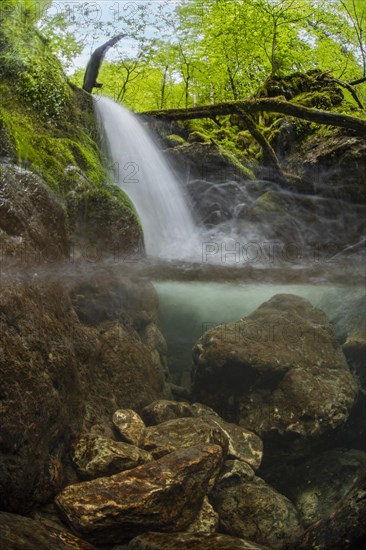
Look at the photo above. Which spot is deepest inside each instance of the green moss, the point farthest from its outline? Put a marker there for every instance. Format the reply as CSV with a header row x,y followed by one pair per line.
x,y
176,140
49,127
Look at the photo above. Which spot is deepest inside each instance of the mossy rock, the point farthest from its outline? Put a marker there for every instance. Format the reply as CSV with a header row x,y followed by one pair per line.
x,y
295,84
174,140
49,127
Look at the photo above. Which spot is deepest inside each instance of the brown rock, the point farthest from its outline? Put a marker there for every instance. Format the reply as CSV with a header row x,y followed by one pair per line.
x,y
282,368
163,410
166,494
317,484
344,528
21,533
253,510
60,377
182,433
33,223
130,425
207,520
183,541
95,456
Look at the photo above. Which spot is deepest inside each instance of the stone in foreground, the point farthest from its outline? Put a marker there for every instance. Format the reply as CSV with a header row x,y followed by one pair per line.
x,y
130,425
249,508
164,495
96,456
21,533
185,541
279,372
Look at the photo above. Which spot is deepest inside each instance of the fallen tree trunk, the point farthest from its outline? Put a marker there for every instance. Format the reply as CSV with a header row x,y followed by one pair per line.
x,y
95,61
270,105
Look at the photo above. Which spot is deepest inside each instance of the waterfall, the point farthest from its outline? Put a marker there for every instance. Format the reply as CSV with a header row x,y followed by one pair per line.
x,y
143,173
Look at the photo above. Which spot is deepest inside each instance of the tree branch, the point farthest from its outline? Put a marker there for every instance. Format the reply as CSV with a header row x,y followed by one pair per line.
x,y
271,105
95,61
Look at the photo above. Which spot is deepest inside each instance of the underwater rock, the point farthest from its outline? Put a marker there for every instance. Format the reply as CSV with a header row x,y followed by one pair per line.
x,y
316,485
183,541
350,327
279,372
21,532
164,409
41,391
130,426
344,528
251,509
95,456
242,444
166,494
207,520
60,378
180,433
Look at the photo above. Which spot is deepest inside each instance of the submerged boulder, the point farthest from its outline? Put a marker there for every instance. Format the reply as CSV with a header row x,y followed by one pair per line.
x,y
344,528
249,508
164,495
129,425
279,372
21,532
185,432
182,541
95,456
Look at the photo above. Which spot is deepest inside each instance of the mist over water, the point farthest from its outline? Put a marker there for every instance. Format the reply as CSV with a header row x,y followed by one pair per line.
x,y
143,173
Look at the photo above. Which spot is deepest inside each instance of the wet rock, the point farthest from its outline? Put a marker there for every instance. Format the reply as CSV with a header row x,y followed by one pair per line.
x,y
242,444
350,326
110,297
316,485
236,471
33,222
207,520
130,425
279,372
166,494
83,373
164,409
326,160
96,456
343,529
183,541
251,509
182,433
204,161
22,533
41,391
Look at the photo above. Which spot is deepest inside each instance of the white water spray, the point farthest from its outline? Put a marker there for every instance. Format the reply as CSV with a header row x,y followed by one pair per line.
x,y
143,173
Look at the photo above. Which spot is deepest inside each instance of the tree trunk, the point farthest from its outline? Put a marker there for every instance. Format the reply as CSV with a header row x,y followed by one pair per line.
x,y
270,105
95,61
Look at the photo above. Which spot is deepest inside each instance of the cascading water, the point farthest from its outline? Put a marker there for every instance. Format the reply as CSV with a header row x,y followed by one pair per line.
x,y
146,177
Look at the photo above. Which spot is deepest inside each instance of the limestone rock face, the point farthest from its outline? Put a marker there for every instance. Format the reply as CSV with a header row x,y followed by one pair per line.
x,y
129,425
19,532
166,494
279,372
249,508
95,456
183,541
